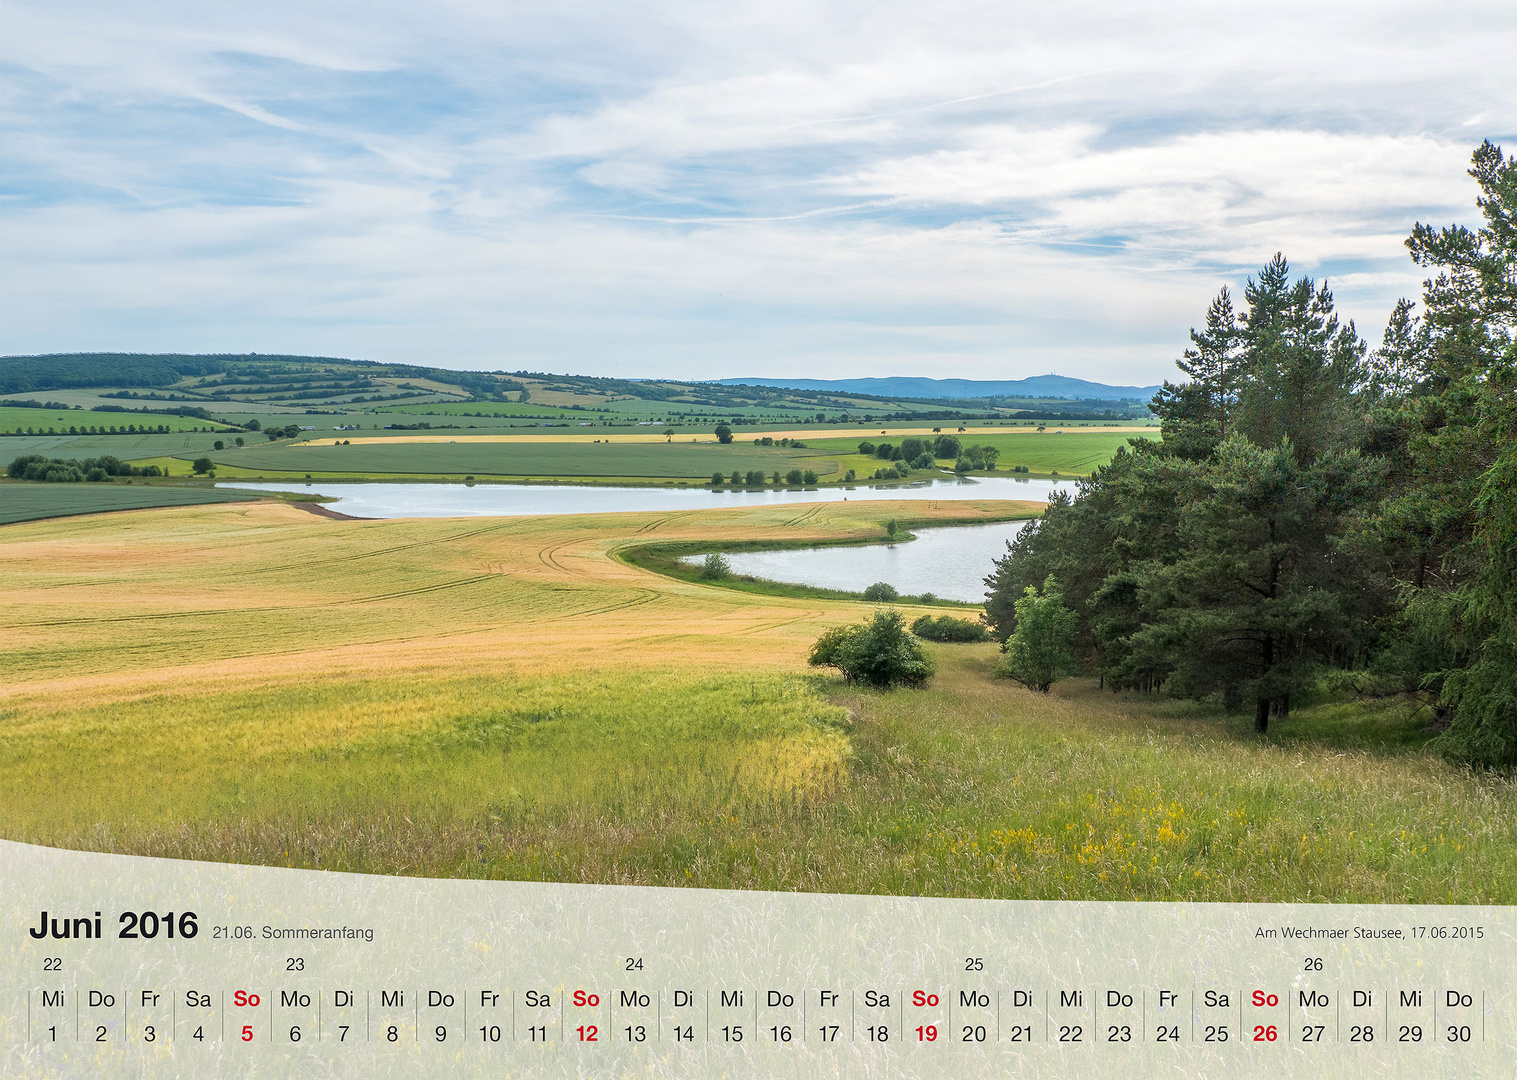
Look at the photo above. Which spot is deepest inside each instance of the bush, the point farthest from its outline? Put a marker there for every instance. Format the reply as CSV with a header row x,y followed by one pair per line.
x,y
218,445
718,479
794,476
866,448
1037,653
881,592
948,628
808,477
716,567
945,446
879,653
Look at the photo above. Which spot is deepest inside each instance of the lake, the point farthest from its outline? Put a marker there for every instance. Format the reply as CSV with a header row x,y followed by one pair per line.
x,y
950,562
462,500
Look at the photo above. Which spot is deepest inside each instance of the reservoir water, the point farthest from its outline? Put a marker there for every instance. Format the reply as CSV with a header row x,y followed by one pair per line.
x,y
462,500
951,563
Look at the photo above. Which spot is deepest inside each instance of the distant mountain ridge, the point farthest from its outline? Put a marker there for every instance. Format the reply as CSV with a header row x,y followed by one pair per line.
x,y
1051,386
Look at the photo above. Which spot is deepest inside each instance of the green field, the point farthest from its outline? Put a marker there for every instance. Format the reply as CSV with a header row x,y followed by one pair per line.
x,y
126,447
44,420
522,458
1073,453
31,502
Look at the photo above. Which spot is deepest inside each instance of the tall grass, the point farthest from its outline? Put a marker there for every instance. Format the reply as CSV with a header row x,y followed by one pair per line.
x,y
972,788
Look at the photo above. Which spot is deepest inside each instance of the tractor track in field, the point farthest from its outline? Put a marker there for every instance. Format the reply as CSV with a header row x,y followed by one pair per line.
x,y
375,553
801,519
419,591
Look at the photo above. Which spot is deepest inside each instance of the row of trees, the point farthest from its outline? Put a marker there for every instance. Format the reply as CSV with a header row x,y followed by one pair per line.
x,y
758,478
1316,511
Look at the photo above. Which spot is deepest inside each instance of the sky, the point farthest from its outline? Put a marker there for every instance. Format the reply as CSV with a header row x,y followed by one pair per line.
x,y
710,190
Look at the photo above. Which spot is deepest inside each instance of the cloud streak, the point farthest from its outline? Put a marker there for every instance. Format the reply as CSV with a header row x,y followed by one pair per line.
x,y
711,189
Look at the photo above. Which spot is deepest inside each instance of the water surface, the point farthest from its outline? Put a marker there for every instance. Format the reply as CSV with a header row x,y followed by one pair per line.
x,y
462,500
950,562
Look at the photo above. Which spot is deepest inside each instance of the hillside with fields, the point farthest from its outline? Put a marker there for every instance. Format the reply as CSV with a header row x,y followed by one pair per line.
x,y
508,698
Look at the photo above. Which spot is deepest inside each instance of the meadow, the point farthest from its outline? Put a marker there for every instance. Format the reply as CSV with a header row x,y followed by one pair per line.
x,y
509,698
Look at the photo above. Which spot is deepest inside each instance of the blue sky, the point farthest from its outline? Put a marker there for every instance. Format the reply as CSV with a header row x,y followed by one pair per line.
x,y
704,190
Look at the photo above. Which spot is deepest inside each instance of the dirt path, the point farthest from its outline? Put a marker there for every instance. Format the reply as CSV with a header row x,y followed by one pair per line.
x,y
321,510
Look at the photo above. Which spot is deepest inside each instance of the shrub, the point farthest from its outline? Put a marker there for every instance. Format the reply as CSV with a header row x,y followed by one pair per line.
x,y
866,447
716,567
948,628
890,527
879,652
886,451
718,479
945,446
737,478
808,477
881,592
794,476
218,445
1037,653
912,448
923,461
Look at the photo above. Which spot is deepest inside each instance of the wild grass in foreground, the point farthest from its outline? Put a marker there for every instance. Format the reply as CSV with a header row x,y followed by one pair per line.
x,y
971,788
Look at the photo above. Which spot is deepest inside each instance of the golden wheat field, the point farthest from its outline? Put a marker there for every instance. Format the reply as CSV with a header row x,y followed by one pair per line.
x,y
505,698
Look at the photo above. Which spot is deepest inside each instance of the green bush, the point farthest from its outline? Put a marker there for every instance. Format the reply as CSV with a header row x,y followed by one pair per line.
x,y
866,447
794,476
879,653
1037,652
945,446
948,628
808,477
718,479
716,567
881,592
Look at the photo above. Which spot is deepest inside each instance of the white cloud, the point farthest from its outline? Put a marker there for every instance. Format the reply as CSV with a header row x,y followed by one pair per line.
x,y
709,189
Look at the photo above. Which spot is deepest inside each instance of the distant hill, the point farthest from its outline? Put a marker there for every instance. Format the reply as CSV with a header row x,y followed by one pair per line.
x,y
1038,386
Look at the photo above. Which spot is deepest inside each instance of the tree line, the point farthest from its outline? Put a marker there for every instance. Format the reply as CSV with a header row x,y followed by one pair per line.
x,y
1318,514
